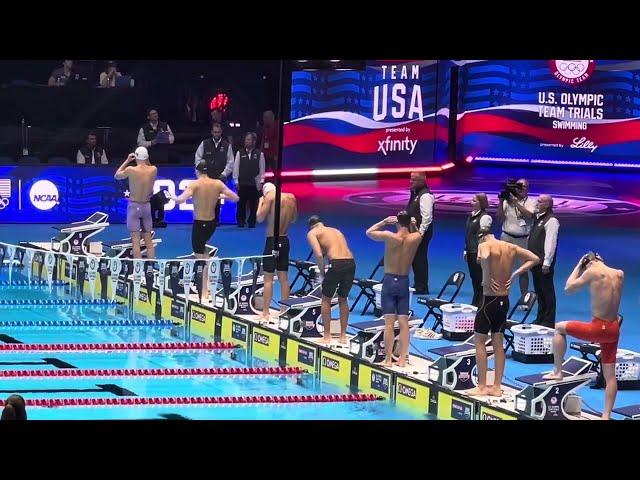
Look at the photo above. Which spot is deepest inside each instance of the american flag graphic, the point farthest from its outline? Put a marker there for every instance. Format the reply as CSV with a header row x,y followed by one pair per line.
x,y
5,187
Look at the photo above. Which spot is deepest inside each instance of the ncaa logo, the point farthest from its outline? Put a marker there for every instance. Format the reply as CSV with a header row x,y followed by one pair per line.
x,y
44,195
572,72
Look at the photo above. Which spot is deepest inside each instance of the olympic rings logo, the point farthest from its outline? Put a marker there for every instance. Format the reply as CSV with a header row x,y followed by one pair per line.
x,y
572,67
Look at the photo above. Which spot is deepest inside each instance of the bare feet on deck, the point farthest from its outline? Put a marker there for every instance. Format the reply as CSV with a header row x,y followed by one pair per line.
x,y
494,391
325,341
343,339
553,376
478,391
387,363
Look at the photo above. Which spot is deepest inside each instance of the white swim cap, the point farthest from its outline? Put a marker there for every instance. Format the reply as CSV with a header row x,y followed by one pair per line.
x,y
268,187
141,153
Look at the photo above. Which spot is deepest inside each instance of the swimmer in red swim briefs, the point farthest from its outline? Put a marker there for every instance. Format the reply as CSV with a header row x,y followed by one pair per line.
x,y
605,284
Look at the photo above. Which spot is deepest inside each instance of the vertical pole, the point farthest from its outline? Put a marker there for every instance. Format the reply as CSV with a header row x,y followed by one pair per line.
x,y
283,98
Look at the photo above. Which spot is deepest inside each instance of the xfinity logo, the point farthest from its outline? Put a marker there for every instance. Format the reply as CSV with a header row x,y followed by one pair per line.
x,y
406,390
262,339
388,145
44,195
331,363
198,316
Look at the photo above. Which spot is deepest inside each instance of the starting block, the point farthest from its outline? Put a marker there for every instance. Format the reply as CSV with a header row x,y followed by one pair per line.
x,y
548,399
468,344
457,369
124,249
368,343
245,298
630,412
303,318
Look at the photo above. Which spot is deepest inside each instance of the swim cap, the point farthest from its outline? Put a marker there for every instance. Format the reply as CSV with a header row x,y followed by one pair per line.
x,y
268,187
141,153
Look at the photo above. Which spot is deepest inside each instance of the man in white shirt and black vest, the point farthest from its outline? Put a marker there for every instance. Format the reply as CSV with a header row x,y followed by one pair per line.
x,y
543,241
90,153
421,205
217,154
248,175
478,220
155,136
516,215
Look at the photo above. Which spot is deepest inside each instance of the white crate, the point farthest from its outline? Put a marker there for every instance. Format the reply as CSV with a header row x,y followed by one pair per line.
x,y
458,317
627,365
532,339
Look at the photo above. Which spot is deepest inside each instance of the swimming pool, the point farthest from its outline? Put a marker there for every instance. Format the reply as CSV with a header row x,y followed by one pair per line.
x,y
171,375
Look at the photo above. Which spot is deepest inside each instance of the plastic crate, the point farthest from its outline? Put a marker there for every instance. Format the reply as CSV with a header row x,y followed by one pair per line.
x,y
458,317
532,339
627,365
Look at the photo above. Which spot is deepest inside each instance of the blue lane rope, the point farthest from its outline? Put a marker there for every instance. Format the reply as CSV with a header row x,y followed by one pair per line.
x,y
33,283
87,323
56,302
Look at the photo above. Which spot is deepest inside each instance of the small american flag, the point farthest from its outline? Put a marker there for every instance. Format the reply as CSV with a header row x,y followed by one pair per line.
x,y
5,187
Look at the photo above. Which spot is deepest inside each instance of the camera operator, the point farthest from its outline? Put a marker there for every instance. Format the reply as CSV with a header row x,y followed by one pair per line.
x,y
515,211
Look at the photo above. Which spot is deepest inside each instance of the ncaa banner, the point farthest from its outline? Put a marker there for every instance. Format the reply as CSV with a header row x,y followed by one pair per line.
x,y
187,277
116,267
28,255
49,263
214,273
138,267
92,271
11,251
162,266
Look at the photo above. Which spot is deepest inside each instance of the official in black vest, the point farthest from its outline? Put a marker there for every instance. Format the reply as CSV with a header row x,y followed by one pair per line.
x,y
90,153
217,153
155,136
421,205
479,219
248,175
543,241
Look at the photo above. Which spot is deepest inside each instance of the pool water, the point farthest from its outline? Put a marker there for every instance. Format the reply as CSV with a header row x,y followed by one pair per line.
x,y
16,325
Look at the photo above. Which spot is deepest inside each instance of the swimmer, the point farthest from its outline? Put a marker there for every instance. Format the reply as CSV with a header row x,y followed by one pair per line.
x,y
206,193
14,408
496,257
288,215
399,250
605,285
141,179
331,242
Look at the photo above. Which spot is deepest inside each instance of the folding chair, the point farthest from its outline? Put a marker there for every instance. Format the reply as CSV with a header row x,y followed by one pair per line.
x,y
456,279
526,300
303,270
366,288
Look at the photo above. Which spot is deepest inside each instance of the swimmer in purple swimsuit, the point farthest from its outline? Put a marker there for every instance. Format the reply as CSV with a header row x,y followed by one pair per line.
x,y
141,179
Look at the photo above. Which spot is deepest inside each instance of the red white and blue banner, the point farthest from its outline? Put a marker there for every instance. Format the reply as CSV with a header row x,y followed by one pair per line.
x,y
573,112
